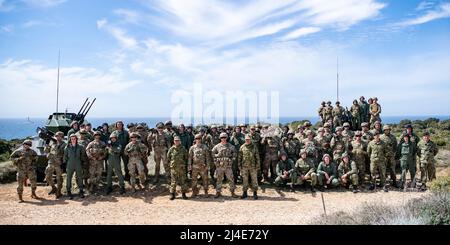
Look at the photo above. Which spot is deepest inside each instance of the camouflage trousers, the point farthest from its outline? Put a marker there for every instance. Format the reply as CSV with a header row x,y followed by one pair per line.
x,y
224,169
178,177
378,167
247,172
427,170
22,175
279,181
390,166
70,170
322,181
201,170
361,165
95,172
270,164
297,178
353,179
337,121
54,168
408,166
160,154
373,119
114,166
136,168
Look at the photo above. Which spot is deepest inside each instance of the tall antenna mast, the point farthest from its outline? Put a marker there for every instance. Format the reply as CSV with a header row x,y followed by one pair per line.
x,y
337,79
57,83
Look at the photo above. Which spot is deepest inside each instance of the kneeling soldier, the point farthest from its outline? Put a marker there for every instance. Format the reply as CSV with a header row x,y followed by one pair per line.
x,y
327,173
285,167
348,172
304,170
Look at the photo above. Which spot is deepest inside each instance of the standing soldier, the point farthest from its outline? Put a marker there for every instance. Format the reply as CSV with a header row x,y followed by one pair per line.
x,y
74,128
321,112
348,172
328,112
55,155
114,149
300,135
356,115
413,139
391,150
25,160
224,154
366,134
291,146
256,140
271,149
427,151
364,106
198,162
237,139
311,146
136,151
169,131
347,133
249,165
105,133
285,168
96,152
160,144
215,139
177,157
123,138
377,151
185,139
359,151
74,157
327,132
327,173
84,141
375,111
304,170
338,113
377,128
405,152
338,144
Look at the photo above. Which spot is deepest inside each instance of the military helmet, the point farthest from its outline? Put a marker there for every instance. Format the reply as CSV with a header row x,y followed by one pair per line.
x,y
325,155
365,124
346,124
176,138
97,133
248,137
327,125
83,131
168,123
426,133
27,142
59,133
408,126
73,123
181,126
252,127
134,135
320,129
73,136
386,127
282,153
338,103
307,124
202,129
309,132
329,102
345,154
358,133
213,126
375,98
377,122
198,136
302,151
113,136
223,135
290,132
139,126
339,128
300,127
160,125
323,103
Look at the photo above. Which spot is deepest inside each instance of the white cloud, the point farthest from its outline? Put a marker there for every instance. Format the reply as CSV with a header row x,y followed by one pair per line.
x,y
6,28
5,7
119,34
128,16
304,31
34,23
440,12
44,3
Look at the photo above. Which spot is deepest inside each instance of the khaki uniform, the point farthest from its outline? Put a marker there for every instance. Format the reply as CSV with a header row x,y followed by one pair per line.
x,y
25,161
177,157
96,152
249,165
427,151
55,155
199,160
223,155
135,152
160,144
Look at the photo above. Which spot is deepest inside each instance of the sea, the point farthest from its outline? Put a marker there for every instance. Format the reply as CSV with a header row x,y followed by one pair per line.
x,y
19,128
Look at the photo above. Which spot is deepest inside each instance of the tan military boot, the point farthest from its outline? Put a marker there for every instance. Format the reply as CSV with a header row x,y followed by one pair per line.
x,y
20,198
233,195
194,192
206,193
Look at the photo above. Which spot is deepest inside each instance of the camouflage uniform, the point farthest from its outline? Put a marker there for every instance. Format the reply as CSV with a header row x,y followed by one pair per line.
x,y
84,142
391,150
338,112
55,155
160,144
367,136
339,146
328,111
177,157
377,153
284,166
135,152
375,111
427,151
292,148
364,110
96,152
237,139
249,165
306,169
405,152
114,149
321,112
271,149
25,161
331,170
356,115
224,155
351,170
123,137
359,151
311,146
199,160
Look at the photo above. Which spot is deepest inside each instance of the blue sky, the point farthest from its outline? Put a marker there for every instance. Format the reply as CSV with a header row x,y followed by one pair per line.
x,y
132,55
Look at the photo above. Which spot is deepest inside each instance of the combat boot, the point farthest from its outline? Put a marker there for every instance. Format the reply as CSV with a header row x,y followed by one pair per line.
x,y
194,192
20,198
218,194
69,194
354,189
291,188
385,188
58,193
108,190
244,195
156,180
233,195
183,195
172,196
81,193
122,190
255,195
33,194
53,191
206,193
313,190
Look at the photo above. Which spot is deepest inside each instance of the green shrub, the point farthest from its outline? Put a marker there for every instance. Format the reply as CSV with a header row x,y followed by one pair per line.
x,y
441,184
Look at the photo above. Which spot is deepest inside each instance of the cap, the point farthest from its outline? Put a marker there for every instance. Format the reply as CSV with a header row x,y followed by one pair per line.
x,y
73,123
358,133
307,124
28,142
377,122
198,136
134,135
160,125
223,135
59,133
83,131
302,151
325,155
386,127
247,137
73,136
346,124
365,124
345,154
176,138
97,133
339,128
113,136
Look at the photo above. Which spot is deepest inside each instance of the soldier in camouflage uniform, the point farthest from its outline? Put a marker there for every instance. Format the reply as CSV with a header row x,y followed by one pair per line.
x,y
338,113
114,149
427,150
364,106
96,152
74,128
123,137
304,170
356,115
299,135
249,165
338,144
348,172
160,144
367,136
347,133
377,151
271,149
136,151
237,139
405,151
328,112
198,162
215,139
74,156
291,146
375,111
413,139
285,168
25,159
359,151
311,146
256,140
177,157
377,128
391,143
321,111
327,173
224,154
55,155
84,141
327,133
169,131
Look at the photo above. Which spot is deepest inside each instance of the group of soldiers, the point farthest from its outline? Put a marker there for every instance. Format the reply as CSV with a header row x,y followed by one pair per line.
x,y
339,153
